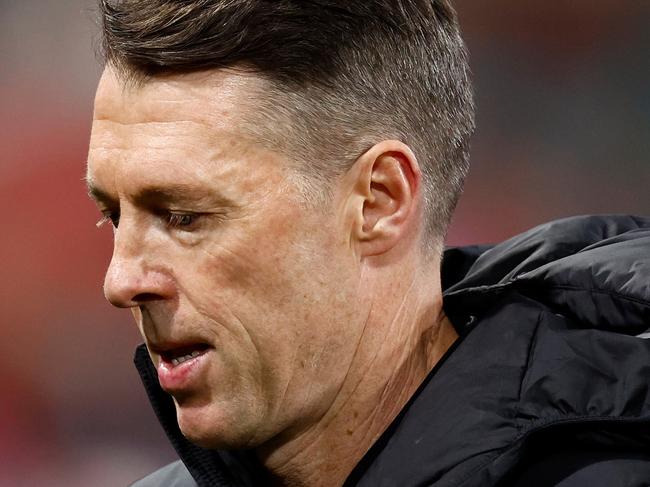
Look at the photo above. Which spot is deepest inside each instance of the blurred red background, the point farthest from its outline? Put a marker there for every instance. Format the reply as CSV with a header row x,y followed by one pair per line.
x,y
563,129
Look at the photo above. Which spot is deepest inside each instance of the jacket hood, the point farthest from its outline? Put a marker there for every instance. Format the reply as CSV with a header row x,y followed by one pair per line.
x,y
593,269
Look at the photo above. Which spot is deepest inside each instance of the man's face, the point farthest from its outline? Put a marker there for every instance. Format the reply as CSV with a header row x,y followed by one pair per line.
x,y
244,295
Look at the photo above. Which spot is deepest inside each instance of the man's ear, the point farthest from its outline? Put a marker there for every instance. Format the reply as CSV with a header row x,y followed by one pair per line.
x,y
385,197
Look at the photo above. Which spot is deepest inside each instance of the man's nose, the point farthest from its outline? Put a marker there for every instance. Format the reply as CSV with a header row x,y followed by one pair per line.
x,y
134,276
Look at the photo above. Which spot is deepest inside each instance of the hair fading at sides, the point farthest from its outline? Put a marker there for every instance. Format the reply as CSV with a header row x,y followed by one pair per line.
x,y
341,76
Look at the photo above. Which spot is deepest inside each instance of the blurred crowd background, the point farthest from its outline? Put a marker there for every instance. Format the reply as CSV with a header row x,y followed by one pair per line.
x,y
563,92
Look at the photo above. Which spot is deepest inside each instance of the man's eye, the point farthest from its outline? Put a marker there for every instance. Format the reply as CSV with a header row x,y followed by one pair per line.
x,y
181,220
109,216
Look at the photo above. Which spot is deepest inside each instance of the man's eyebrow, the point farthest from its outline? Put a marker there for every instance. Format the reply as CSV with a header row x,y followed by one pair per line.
x,y
155,194
177,193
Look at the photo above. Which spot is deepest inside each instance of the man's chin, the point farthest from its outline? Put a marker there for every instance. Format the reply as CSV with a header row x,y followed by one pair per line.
x,y
212,431
206,440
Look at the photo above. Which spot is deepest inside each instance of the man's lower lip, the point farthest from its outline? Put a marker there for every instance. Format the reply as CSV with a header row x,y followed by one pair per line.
x,y
175,378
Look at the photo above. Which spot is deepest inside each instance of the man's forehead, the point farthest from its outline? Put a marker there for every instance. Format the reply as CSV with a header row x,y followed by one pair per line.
x,y
175,128
215,96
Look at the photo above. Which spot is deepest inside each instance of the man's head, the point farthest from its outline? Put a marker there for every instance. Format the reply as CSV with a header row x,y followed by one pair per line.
x,y
268,168
338,77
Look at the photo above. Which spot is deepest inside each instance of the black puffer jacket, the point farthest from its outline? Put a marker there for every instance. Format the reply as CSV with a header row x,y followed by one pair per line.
x,y
549,384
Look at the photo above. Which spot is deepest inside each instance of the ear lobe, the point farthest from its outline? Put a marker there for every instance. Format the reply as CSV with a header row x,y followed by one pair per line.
x,y
389,184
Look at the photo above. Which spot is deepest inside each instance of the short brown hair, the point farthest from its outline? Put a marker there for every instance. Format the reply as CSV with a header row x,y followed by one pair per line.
x,y
343,74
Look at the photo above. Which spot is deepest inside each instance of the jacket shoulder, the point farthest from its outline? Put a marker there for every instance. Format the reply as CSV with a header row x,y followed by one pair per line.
x,y
173,475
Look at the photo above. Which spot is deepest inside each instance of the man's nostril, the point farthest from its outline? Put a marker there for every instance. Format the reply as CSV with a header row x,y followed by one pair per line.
x,y
144,297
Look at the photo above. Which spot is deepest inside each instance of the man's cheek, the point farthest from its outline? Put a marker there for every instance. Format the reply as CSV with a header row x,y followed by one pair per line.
x,y
241,278
227,264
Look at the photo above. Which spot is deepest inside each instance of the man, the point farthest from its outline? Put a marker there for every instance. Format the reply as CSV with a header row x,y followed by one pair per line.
x,y
280,177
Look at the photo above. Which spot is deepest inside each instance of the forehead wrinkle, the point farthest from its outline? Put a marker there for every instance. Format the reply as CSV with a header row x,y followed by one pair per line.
x,y
215,98
116,134
161,141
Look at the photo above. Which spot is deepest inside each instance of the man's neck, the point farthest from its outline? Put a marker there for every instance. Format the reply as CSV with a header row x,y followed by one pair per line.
x,y
390,367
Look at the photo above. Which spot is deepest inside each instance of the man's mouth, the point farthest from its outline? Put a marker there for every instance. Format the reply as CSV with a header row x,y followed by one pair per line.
x,y
177,356
182,366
